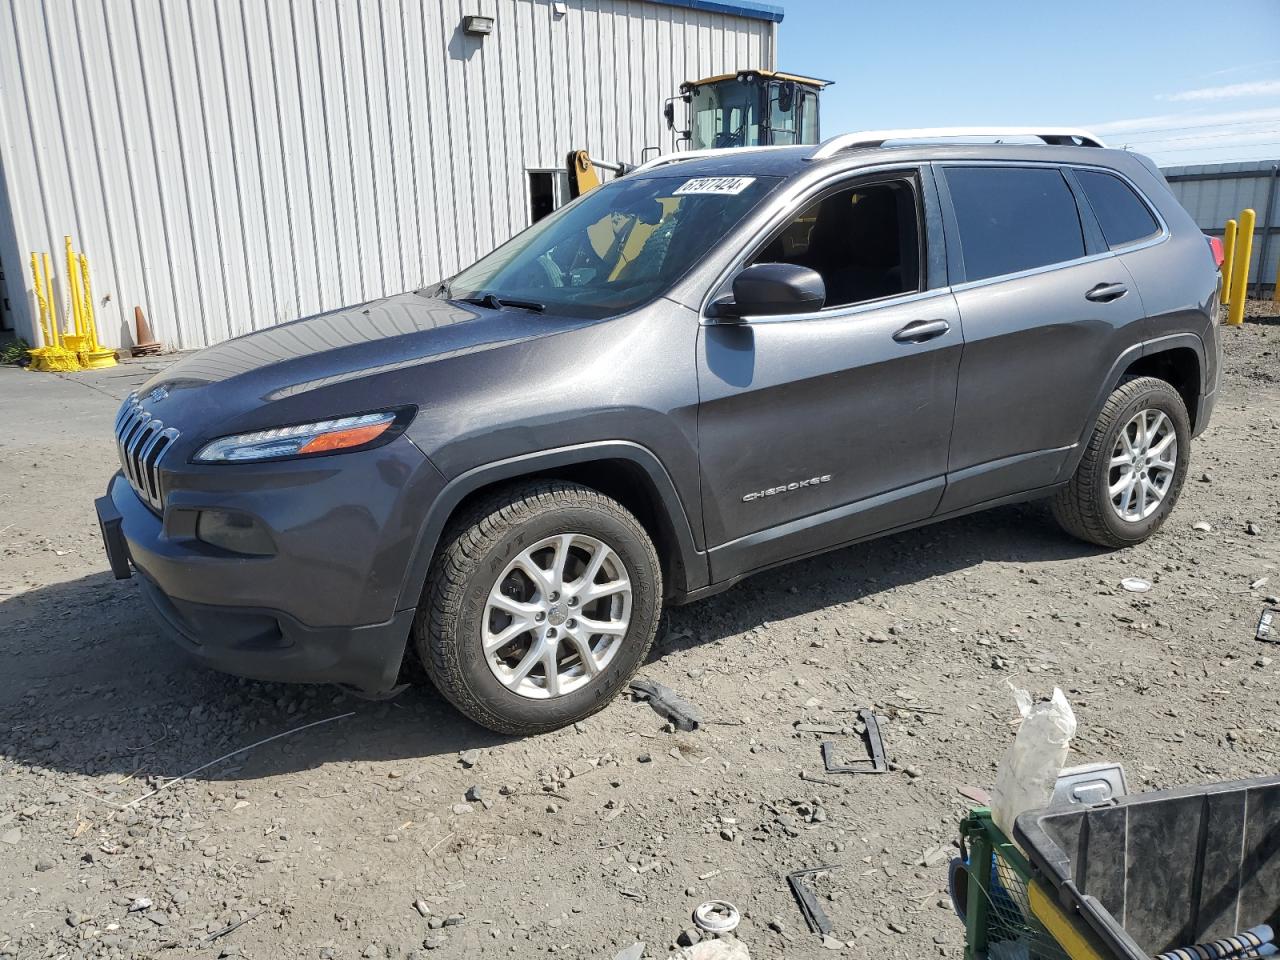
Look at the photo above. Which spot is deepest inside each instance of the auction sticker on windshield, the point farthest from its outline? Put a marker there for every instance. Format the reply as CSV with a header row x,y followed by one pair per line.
x,y
729,186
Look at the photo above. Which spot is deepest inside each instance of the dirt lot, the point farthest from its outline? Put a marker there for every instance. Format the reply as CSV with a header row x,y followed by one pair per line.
x,y
579,843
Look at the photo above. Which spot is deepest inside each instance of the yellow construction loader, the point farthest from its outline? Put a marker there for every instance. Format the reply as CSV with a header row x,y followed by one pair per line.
x,y
750,108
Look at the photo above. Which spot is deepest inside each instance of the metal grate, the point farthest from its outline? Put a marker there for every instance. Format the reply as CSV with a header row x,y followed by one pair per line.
x,y
1012,931
142,441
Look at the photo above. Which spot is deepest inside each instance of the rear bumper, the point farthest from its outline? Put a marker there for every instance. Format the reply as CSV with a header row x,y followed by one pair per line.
x,y
1204,411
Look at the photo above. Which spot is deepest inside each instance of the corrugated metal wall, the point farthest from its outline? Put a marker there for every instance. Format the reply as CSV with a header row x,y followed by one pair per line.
x,y
231,165
1216,193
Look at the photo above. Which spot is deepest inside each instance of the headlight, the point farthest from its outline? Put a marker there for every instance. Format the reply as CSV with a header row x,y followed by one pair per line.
x,y
307,439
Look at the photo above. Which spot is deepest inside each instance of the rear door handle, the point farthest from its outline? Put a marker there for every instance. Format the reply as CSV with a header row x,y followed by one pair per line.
x,y
918,331
1106,292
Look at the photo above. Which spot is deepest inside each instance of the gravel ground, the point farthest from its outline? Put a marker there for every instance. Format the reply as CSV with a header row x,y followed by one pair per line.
x,y
399,829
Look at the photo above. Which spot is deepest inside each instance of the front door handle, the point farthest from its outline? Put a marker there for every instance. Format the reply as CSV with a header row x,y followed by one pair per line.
x,y
1106,292
918,331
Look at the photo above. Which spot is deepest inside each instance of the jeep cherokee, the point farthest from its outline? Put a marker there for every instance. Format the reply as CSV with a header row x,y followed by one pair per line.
x,y
711,366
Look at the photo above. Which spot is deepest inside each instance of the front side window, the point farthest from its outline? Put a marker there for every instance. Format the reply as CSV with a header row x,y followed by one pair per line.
x,y
1013,219
614,248
1123,217
864,241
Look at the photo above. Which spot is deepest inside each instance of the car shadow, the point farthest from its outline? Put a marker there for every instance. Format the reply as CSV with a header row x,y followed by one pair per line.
x,y
92,688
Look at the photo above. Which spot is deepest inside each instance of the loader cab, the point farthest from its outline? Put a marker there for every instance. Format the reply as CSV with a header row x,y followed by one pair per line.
x,y
751,108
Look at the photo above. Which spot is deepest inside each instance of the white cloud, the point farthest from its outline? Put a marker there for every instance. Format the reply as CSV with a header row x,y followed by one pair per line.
x,y
1254,88
1188,122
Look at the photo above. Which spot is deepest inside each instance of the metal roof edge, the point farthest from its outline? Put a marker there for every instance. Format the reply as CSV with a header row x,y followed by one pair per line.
x,y
751,9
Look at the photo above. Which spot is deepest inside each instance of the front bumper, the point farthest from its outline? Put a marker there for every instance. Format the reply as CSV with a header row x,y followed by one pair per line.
x,y
322,609
269,645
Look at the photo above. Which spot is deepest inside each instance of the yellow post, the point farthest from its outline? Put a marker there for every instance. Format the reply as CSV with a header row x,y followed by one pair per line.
x,y
44,307
73,290
1228,253
1275,293
1240,267
90,322
48,295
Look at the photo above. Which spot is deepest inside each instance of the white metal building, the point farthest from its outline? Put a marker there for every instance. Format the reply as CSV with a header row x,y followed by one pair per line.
x,y
1215,193
231,165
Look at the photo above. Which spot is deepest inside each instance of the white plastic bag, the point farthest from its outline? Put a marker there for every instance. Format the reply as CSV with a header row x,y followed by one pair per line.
x,y
1033,761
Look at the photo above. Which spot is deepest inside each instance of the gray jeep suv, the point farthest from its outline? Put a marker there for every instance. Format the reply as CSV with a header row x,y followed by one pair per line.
x,y
694,373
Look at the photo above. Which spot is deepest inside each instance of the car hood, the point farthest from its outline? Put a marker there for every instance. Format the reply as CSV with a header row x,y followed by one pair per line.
x,y
289,367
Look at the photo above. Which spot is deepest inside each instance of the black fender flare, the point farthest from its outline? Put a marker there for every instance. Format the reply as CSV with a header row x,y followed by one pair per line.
x,y
1122,363
693,560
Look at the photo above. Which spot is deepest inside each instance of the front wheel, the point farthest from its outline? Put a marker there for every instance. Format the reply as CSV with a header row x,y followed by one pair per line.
x,y
1133,468
542,602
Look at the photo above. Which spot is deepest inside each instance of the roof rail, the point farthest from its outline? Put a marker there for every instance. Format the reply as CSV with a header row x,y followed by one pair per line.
x,y
1058,136
681,155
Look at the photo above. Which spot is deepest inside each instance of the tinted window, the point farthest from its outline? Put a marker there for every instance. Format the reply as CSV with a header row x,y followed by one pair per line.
x,y
614,248
1013,218
1123,217
864,241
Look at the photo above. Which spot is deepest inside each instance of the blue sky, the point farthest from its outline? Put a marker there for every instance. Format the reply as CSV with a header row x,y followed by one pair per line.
x,y
1184,82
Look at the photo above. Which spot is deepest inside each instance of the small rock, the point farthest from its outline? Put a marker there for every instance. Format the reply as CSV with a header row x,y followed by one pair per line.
x,y
469,758
44,865
475,794
142,903
421,906
1252,529
896,927
688,937
1204,526
913,772
552,808
461,809
633,952
727,833
644,758
831,943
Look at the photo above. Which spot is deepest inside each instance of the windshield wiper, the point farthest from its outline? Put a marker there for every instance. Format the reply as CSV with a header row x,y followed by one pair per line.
x,y
494,302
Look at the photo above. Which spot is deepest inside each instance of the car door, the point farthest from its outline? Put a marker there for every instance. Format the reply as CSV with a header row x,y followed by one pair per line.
x,y
1046,309
819,429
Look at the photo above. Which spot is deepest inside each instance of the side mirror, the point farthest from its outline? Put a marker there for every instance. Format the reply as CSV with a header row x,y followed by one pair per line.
x,y
669,111
773,289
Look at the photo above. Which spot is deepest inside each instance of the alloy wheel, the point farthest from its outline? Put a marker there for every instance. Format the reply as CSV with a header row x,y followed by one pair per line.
x,y
556,616
1143,464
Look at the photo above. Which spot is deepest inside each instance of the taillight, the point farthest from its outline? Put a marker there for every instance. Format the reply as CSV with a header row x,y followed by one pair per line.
x,y
1215,245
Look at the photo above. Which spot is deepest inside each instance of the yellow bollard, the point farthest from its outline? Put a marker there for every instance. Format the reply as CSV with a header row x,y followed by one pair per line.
x,y
38,287
73,297
1228,252
1275,293
1240,267
48,295
90,323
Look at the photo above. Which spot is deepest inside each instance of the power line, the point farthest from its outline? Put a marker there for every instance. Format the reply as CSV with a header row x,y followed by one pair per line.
x,y
1207,136
1199,126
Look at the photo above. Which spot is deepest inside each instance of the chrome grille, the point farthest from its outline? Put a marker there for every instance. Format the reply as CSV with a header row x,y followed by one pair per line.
x,y
142,441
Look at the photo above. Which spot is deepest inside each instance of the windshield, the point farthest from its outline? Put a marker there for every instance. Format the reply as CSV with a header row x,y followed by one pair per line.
x,y
614,248
725,115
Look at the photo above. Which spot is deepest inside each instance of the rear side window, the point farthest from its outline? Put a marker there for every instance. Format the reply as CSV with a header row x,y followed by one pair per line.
x,y
1123,216
1013,219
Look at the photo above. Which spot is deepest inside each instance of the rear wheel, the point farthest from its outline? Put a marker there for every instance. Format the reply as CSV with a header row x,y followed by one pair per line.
x,y
542,602
1133,468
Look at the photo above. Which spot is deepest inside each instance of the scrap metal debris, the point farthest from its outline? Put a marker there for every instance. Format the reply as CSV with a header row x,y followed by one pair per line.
x,y
1269,625
812,911
874,740
667,702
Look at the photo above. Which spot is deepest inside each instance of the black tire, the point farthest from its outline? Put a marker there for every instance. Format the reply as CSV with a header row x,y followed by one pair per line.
x,y
475,549
1083,508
